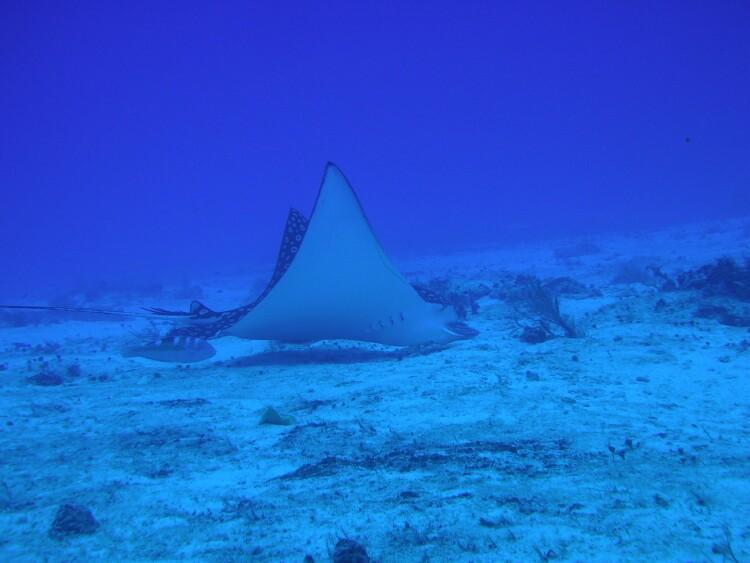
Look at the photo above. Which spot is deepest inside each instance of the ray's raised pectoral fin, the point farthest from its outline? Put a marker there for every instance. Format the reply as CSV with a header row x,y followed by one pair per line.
x,y
294,233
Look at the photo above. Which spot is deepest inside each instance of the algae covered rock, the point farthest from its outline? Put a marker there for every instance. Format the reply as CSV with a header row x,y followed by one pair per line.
x,y
349,551
272,416
73,520
46,379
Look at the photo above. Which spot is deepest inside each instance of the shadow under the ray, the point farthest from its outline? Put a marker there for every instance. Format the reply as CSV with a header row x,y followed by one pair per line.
x,y
330,355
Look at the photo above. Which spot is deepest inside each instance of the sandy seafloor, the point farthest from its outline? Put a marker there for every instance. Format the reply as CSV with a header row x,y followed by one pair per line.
x,y
631,443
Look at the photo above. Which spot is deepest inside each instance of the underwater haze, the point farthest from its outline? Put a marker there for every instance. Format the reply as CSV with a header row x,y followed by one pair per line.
x,y
375,282
153,140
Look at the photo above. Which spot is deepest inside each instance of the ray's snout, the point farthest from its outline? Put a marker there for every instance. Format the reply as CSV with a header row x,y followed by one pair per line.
x,y
461,330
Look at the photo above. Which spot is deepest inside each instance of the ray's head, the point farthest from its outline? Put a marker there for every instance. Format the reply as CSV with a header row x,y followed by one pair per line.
x,y
458,330
426,323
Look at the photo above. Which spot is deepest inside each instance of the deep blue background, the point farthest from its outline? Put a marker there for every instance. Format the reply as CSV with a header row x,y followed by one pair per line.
x,y
151,140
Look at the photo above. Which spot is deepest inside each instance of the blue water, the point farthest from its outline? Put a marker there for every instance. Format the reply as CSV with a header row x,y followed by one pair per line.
x,y
137,140
149,155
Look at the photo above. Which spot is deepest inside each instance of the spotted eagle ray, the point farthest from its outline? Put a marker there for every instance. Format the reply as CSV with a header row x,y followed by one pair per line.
x,y
332,280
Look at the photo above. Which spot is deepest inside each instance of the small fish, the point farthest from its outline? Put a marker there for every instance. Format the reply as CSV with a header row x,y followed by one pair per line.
x,y
176,349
